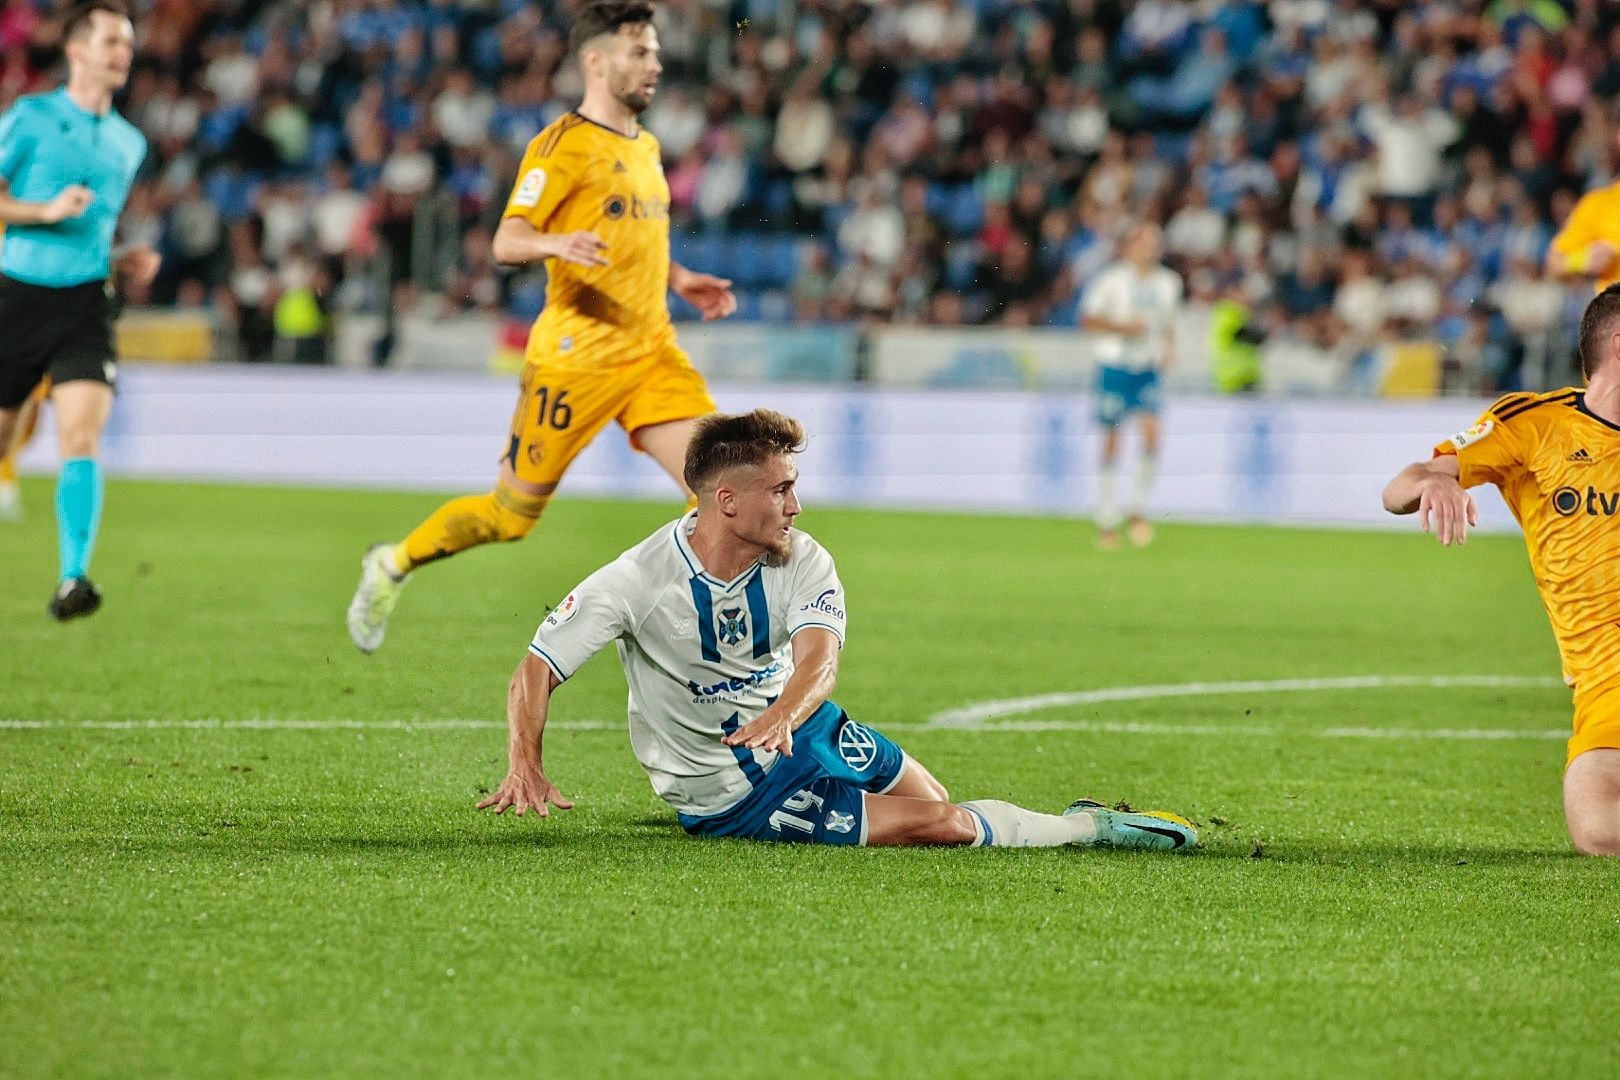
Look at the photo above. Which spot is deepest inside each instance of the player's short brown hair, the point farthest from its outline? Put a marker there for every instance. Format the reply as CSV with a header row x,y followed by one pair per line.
x,y
607,17
1597,323
81,16
721,442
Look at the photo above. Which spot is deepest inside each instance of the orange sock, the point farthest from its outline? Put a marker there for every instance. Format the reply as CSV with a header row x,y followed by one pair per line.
x,y
493,517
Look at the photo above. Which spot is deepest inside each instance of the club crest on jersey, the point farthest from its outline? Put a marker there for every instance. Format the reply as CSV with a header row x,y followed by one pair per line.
x,y
733,625
837,822
1473,434
528,192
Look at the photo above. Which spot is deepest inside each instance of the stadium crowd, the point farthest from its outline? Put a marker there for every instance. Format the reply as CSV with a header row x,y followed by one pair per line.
x,y
1352,172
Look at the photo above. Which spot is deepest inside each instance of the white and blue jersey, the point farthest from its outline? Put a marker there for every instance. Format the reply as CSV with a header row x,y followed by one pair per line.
x,y
702,658
1128,367
48,143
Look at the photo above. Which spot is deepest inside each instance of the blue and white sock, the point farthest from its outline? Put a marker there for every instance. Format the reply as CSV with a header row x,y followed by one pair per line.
x,y
1001,824
78,514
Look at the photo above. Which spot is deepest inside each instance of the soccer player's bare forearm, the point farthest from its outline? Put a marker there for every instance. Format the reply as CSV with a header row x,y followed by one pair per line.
x,y
809,687
517,243
528,698
1403,493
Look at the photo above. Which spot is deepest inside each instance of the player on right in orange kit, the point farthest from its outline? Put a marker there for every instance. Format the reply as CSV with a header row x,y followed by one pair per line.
x,y
591,202
1556,459
1588,246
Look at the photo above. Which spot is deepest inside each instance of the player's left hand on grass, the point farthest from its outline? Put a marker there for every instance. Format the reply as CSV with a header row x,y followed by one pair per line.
x,y
763,732
711,295
1446,509
527,791
139,265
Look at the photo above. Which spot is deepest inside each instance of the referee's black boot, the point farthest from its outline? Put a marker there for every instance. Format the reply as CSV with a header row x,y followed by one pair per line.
x,y
74,597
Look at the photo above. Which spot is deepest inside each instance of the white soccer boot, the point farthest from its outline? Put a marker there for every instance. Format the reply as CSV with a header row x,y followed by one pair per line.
x,y
374,597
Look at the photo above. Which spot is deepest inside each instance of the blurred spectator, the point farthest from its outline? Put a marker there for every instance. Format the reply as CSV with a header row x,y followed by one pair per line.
x,y
1012,283
724,178
1235,340
804,128
812,283
1191,88
409,169
299,314
1409,141
474,284
462,112
191,244
875,231
1196,230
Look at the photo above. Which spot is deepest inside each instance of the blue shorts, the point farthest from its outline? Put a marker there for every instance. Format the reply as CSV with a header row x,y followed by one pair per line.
x,y
817,796
1121,393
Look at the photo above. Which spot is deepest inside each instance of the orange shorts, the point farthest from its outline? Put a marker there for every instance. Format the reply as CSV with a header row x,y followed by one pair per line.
x,y
1597,719
561,409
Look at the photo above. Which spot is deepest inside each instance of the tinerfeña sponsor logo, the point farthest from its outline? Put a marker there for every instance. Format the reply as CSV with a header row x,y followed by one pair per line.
x,y
1568,502
733,686
824,604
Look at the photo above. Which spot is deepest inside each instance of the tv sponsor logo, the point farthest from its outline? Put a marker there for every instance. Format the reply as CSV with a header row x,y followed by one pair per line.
x,y
1568,501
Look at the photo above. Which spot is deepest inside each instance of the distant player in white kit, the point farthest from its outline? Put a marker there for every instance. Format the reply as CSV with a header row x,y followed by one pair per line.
x,y
729,623
1131,308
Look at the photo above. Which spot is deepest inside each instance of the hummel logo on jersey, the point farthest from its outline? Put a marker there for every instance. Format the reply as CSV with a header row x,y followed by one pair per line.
x,y
618,166
1580,457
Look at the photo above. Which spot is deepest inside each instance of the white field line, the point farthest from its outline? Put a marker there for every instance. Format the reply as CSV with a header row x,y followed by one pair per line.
x,y
970,718
975,715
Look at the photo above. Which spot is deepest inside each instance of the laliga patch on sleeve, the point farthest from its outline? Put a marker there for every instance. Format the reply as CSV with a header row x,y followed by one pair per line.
x,y
528,192
1473,434
564,611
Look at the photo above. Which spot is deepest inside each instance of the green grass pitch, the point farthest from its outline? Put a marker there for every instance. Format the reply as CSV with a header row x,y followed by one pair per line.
x,y
231,845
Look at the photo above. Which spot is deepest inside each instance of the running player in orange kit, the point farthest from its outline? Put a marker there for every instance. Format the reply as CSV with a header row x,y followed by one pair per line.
x,y
1556,459
591,202
1588,246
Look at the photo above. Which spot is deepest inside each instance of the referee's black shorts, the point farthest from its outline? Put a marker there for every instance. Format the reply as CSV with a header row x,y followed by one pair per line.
x,y
63,333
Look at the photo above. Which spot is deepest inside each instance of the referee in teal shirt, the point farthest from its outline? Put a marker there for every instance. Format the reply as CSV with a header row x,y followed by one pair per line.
x,y
67,162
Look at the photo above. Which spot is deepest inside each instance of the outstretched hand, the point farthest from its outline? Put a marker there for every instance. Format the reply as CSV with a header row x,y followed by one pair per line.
x,y
527,791
580,248
711,295
1446,509
763,732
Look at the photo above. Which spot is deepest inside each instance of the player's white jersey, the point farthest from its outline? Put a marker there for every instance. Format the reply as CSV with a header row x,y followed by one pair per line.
x,y
1120,294
702,656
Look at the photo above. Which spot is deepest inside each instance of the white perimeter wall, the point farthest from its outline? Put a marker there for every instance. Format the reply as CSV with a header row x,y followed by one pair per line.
x,y
1285,461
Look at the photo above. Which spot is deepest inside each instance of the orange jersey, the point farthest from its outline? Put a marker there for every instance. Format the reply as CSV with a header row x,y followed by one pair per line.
x,y
1558,468
1595,217
578,176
